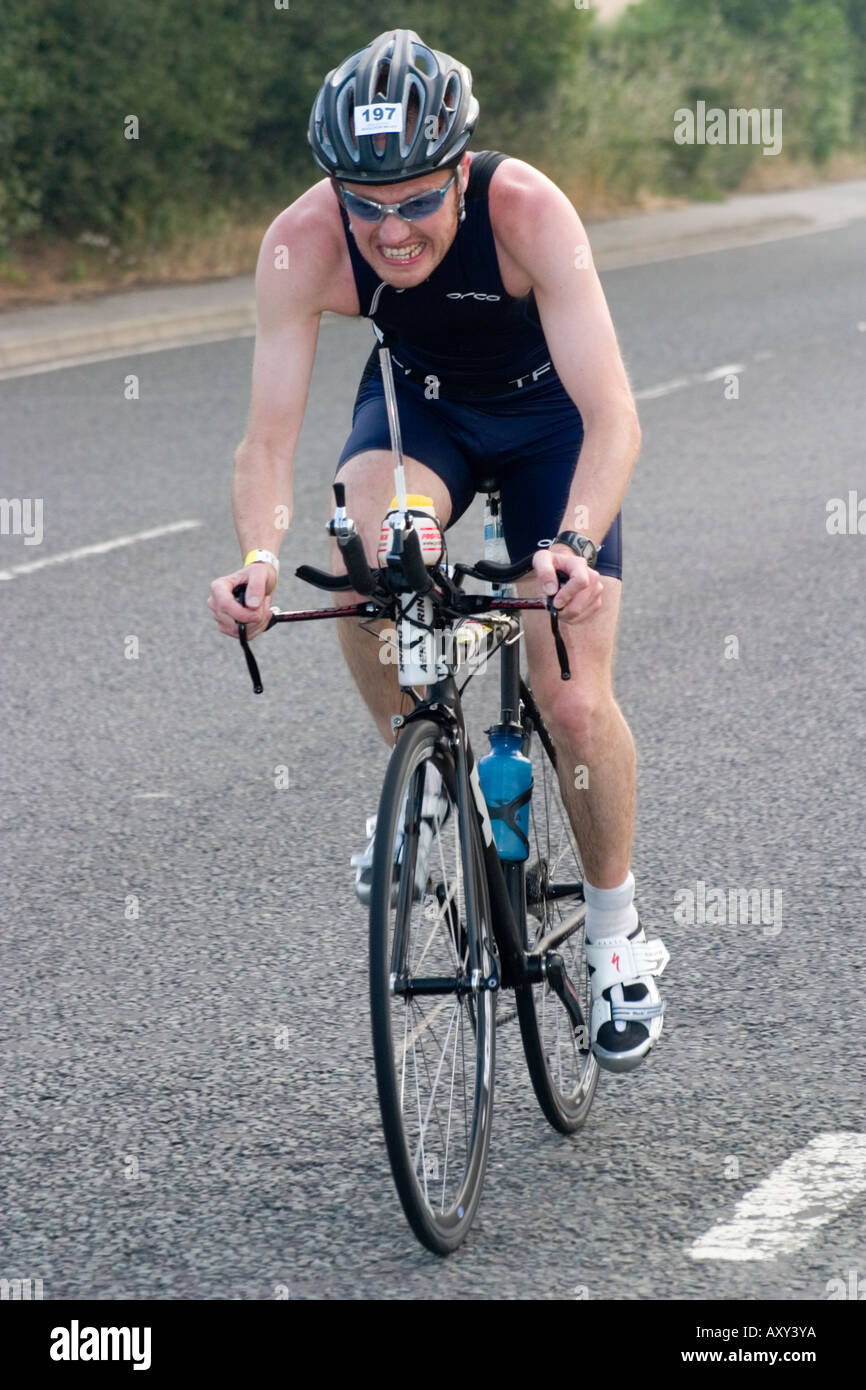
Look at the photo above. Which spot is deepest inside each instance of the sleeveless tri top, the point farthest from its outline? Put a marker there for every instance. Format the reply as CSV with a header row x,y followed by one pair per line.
x,y
459,325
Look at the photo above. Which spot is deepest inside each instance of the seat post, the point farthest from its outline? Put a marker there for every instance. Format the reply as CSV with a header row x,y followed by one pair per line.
x,y
496,550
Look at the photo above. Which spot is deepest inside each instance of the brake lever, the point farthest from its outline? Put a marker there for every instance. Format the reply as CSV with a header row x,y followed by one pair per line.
x,y
239,592
561,653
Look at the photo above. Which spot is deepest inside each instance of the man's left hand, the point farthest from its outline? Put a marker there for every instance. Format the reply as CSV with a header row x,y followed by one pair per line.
x,y
579,597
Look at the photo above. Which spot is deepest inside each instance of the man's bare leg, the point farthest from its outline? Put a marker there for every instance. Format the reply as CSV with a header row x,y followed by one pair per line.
x,y
369,480
589,731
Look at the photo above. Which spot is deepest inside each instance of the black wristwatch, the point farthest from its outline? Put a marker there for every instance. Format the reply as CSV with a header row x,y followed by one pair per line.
x,y
581,545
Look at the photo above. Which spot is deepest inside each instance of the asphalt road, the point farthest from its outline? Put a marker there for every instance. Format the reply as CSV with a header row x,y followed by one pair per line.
x,y
187,1094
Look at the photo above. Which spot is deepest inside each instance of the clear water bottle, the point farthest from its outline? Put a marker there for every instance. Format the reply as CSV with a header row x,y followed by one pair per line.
x,y
506,781
495,548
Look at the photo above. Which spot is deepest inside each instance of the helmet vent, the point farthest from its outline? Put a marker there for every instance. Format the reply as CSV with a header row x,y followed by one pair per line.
x,y
381,86
414,102
345,122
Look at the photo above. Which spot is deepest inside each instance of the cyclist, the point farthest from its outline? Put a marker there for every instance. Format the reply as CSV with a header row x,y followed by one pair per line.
x,y
475,268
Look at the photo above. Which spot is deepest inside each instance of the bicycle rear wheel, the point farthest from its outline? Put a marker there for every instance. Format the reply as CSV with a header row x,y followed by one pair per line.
x,y
563,1070
433,1010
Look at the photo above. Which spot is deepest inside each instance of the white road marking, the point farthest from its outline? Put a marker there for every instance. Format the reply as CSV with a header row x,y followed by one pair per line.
x,y
99,549
782,1214
730,368
665,388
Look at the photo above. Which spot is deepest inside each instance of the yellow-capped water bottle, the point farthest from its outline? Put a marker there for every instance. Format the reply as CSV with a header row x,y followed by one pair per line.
x,y
417,664
423,513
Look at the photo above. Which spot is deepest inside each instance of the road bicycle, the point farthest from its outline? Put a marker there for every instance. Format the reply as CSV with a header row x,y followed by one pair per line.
x,y
453,923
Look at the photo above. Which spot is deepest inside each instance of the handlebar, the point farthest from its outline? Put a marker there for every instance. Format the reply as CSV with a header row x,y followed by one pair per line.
x,y
488,570
358,572
240,593
382,586
408,562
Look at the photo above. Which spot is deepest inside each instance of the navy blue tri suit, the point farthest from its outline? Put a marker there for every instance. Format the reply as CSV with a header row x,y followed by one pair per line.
x,y
477,394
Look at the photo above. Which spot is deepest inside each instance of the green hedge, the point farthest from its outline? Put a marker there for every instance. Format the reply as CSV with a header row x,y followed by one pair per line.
x,y
806,57
222,91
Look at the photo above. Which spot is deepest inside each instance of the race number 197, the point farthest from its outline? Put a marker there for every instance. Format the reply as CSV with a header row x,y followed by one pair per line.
x,y
379,119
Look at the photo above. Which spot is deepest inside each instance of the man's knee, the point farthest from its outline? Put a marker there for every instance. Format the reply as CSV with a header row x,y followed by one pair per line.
x,y
578,708
369,481
576,712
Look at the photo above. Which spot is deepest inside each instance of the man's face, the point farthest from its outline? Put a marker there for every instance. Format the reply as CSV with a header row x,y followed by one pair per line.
x,y
427,240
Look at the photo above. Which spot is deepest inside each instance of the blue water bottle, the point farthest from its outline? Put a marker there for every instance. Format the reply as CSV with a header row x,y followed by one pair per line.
x,y
506,781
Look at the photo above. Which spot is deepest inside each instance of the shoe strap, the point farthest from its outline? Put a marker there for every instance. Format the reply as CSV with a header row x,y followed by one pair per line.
x,y
616,960
636,1013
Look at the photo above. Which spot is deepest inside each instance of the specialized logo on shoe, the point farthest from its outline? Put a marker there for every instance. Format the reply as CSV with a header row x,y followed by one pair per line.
x,y
472,294
614,960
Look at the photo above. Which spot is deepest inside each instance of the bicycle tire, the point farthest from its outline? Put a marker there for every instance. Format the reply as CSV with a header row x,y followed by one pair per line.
x,y
563,1071
419,918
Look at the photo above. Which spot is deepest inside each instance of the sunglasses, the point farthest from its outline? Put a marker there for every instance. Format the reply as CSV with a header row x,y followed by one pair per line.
x,y
424,205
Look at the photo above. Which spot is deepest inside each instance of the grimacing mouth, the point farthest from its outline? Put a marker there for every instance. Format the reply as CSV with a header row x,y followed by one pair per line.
x,y
404,252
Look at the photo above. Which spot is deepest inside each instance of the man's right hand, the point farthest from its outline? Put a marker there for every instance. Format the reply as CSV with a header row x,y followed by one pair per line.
x,y
261,580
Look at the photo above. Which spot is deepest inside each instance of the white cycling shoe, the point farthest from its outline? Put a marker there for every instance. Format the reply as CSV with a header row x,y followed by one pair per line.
x,y
624,992
435,809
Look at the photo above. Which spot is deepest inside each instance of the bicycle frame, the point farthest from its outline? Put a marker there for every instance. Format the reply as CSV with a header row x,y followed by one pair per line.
x,y
506,880
443,707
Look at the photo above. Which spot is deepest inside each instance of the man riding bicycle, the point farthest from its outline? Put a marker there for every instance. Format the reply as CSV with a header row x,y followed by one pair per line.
x,y
475,269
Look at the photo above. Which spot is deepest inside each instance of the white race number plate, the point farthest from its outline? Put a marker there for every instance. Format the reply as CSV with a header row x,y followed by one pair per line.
x,y
379,119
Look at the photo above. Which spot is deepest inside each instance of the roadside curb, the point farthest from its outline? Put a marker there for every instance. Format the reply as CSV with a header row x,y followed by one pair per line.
x,y
141,333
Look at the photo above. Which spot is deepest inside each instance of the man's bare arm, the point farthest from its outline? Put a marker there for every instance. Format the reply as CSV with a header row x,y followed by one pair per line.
x,y
297,262
542,232
288,307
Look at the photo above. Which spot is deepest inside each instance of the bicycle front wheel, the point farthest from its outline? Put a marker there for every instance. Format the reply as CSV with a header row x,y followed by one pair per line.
x,y
433,983
563,1070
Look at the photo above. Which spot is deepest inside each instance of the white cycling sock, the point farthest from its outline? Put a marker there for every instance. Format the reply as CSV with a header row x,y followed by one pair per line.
x,y
610,911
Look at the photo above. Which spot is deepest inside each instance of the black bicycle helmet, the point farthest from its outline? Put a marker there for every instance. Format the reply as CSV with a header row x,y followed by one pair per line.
x,y
395,69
